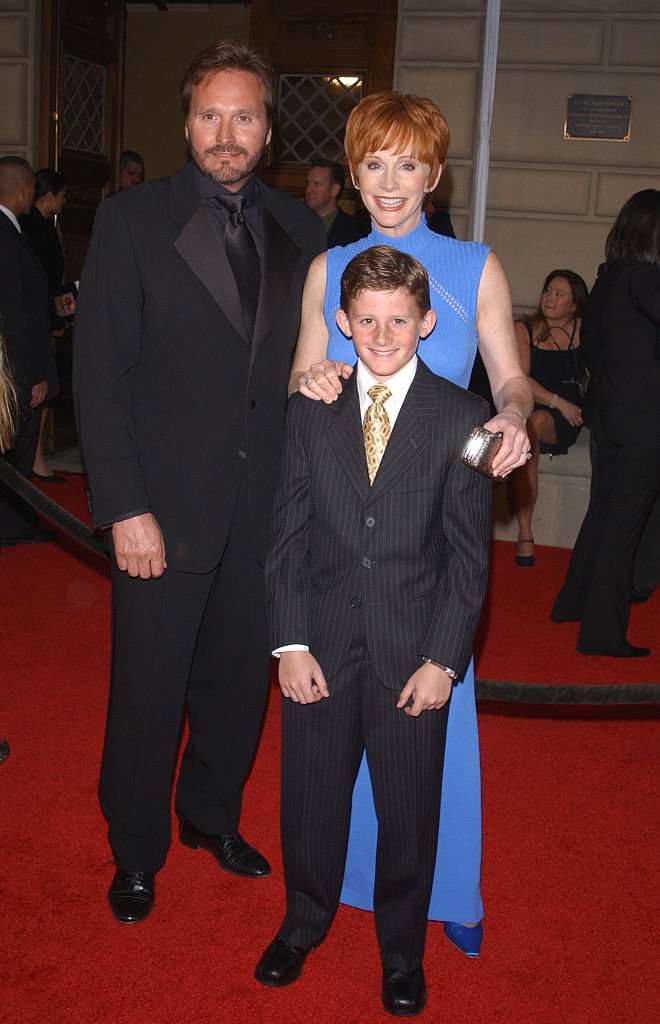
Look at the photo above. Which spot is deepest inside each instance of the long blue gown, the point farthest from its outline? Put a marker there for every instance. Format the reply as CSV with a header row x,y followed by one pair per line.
x,y
454,270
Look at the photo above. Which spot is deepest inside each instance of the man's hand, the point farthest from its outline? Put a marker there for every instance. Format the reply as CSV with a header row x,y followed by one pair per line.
x,y
39,392
430,689
301,677
323,380
515,443
139,546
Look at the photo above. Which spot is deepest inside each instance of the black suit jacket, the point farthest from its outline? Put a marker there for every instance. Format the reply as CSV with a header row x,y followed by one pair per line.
x,y
174,403
346,229
406,559
620,336
24,316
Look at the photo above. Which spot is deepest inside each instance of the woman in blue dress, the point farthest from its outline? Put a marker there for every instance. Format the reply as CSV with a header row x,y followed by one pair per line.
x,y
396,147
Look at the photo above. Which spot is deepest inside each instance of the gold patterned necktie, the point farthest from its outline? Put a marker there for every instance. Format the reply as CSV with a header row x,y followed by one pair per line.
x,y
376,427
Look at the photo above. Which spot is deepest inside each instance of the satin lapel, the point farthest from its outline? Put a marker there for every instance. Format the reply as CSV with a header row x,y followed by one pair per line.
x,y
279,262
200,247
409,436
345,436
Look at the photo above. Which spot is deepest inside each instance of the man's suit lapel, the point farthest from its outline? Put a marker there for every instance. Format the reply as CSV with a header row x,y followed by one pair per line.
x,y
345,436
409,437
198,244
279,262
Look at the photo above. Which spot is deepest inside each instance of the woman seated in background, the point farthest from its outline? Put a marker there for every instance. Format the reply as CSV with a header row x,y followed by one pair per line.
x,y
621,339
551,356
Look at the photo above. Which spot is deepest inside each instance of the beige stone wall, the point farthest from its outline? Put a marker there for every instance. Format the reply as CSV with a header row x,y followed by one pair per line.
x,y
19,78
551,201
159,47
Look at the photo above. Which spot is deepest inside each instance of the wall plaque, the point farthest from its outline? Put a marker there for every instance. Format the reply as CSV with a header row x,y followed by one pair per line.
x,y
589,116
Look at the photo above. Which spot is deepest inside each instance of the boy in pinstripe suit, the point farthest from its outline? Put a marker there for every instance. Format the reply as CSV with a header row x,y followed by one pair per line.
x,y
375,581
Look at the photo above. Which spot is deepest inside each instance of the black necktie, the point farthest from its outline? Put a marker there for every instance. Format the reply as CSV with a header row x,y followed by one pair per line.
x,y
243,259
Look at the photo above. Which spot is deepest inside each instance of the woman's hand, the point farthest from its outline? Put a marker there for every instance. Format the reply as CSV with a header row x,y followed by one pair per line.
x,y
515,442
570,412
323,380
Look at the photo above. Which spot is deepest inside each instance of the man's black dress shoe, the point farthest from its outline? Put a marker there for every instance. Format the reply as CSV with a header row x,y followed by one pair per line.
x,y
404,992
281,964
132,895
37,537
625,651
231,851
641,594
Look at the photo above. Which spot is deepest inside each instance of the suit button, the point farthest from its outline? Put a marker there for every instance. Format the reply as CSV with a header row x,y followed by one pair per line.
x,y
240,454
366,563
356,602
370,521
252,404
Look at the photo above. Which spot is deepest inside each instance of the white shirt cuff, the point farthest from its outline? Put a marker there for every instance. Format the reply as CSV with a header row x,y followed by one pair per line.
x,y
289,647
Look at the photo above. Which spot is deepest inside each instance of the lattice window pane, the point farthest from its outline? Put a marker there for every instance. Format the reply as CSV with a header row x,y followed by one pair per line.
x,y
312,115
83,105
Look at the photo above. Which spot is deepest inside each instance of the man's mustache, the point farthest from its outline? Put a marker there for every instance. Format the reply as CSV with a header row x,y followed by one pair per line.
x,y
225,150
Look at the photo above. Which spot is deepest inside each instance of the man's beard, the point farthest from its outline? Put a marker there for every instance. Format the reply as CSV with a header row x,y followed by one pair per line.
x,y
225,174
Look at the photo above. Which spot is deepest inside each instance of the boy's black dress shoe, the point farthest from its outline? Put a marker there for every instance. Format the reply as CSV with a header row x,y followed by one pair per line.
x,y
281,964
404,992
231,851
132,895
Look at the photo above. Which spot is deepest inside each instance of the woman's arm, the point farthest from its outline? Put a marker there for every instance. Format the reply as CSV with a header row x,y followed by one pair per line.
x,y
312,347
508,383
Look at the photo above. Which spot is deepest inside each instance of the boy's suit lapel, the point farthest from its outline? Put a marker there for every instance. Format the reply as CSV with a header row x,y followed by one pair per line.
x,y
409,437
345,436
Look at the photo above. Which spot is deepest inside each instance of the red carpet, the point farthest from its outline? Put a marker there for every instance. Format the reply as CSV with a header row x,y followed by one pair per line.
x,y
570,869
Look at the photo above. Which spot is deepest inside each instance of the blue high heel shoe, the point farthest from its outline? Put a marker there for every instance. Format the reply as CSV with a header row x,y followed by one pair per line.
x,y
468,940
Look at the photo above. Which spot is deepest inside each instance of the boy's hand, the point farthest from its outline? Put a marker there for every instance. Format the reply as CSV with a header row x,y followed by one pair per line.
x,y
429,688
301,677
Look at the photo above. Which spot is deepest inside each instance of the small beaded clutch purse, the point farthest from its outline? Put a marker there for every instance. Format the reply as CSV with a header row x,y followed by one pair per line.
x,y
480,448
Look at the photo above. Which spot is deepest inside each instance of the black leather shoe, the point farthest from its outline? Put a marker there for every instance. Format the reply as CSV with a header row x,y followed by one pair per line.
x,y
404,992
625,651
50,478
231,851
281,964
37,537
132,895
641,594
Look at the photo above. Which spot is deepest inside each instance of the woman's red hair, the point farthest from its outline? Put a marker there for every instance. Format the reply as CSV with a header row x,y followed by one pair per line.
x,y
405,124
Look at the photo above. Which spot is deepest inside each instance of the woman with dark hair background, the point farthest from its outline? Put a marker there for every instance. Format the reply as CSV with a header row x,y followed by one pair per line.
x,y
551,356
39,230
621,341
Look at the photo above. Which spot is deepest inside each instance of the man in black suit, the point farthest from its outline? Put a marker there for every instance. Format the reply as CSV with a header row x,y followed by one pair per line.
x,y
325,184
25,324
375,582
188,313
